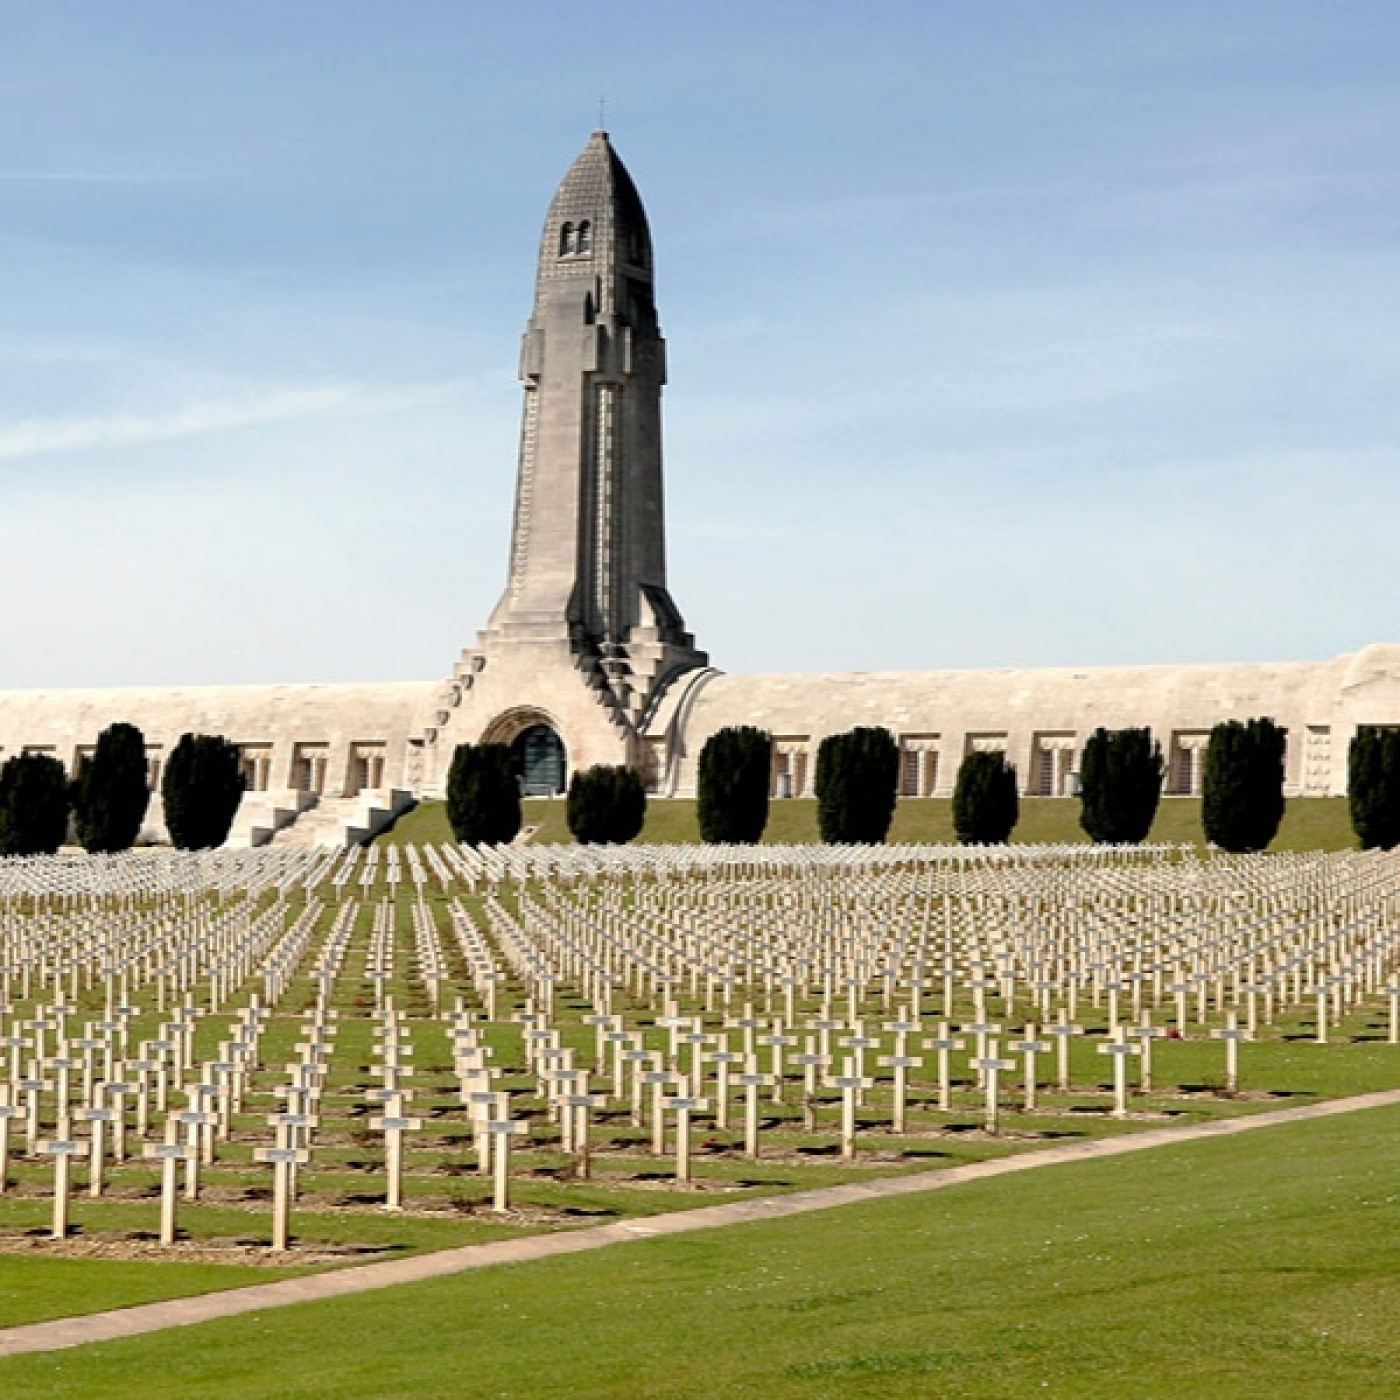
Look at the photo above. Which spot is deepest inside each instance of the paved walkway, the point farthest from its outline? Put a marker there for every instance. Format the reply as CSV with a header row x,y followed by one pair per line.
x,y
183,1312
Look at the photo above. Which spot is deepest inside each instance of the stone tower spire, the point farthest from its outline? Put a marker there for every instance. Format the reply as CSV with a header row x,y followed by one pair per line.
x,y
588,554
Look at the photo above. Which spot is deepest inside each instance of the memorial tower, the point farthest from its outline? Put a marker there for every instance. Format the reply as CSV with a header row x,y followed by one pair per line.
x,y
586,615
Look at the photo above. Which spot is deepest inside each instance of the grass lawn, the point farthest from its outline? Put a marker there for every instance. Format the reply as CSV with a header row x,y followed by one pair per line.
x,y
37,1289
1267,1265
1309,823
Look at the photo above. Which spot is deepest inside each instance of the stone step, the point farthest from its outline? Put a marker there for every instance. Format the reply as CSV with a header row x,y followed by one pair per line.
x,y
262,814
344,821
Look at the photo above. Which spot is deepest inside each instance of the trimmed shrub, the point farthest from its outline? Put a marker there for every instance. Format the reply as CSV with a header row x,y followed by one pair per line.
x,y
857,785
111,791
606,805
985,805
1242,792
736,767
1120,784
1373,787
483,794
34,805
201,788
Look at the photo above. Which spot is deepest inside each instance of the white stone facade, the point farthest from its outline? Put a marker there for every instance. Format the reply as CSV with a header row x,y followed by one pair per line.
x,y
327,740
1041,718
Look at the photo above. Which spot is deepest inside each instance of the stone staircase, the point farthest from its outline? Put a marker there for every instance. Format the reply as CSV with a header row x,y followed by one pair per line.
x,y
261,815
344,821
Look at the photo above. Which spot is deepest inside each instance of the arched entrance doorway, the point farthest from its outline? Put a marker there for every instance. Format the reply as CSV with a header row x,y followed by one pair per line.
x,y
540,758
540,761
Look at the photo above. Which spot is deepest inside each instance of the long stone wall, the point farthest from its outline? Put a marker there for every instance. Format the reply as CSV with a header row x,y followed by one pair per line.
x,y
334,740
339,740
1040,718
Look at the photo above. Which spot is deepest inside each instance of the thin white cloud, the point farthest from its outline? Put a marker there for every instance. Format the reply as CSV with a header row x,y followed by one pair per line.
x,y
89,177
42,436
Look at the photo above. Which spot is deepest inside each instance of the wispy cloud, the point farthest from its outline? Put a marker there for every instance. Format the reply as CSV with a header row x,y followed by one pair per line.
x,y
90,177
42,436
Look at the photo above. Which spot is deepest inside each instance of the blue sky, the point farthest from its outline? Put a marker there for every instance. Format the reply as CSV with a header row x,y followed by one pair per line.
x,y
1000,334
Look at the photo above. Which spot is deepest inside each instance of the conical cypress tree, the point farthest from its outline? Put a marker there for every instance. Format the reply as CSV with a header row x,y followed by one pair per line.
x,y
629,805
985,803
606,804
483,794
1373,786
34,805
1242,793
201,788
832,789
111,791
857,785
1120,784
735,770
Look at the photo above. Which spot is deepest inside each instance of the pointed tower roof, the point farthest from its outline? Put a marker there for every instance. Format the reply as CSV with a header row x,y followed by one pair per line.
x,y
596,223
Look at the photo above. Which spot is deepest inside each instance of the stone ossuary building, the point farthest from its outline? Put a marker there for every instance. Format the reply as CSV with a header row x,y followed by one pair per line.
x,y
586,658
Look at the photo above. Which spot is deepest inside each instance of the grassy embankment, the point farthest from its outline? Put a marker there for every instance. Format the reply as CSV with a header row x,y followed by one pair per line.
x,y
1309,824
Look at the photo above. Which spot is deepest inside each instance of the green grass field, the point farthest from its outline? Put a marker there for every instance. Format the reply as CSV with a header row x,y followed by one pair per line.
x,y
34,1289
1309,824
1267,1265
964,1302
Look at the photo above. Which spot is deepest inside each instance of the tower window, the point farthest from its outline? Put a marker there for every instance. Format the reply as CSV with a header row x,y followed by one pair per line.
x,y
576,239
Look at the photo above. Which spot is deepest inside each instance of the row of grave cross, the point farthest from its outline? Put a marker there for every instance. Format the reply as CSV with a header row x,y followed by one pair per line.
x,y
654,1081
811,940
945,929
